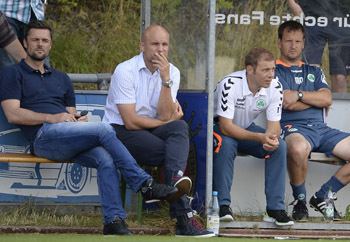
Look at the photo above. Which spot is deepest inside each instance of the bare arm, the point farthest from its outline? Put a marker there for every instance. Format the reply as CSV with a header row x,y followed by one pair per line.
x,y
133,121
166,105
15,49
295,7
273,131
273,128
17,115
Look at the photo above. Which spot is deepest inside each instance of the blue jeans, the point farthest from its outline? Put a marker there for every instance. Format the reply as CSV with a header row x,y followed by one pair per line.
x,y
93,145
275,168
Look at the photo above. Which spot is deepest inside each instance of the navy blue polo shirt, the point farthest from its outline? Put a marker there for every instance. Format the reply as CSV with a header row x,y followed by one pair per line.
x,y
301,78
50,92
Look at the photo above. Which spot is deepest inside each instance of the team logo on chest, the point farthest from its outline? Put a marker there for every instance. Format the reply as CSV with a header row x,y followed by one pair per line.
x,y
311,77
260,104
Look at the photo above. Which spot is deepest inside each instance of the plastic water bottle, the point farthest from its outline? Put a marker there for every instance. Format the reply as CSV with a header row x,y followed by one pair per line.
x,y
329,206
213,219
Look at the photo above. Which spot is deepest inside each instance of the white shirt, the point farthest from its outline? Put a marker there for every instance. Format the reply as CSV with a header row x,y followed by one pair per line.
x,y
133,83
234,100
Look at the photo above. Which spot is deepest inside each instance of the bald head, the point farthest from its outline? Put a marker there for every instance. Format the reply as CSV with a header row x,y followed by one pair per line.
x,y
151,30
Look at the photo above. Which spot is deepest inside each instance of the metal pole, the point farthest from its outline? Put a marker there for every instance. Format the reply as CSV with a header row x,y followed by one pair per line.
x,y
145,14
210,88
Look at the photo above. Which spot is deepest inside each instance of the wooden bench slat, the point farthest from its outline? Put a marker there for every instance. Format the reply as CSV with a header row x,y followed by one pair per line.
x,y
322,158
25,158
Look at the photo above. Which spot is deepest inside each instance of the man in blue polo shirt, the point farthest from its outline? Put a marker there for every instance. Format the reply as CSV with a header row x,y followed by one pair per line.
x,y
305,99
41,101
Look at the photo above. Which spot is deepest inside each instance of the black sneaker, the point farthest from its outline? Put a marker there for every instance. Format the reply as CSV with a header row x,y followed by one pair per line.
x,y
153,191
117,227
184,184
188,226
225,213
279,217
300,212
336,216
319,205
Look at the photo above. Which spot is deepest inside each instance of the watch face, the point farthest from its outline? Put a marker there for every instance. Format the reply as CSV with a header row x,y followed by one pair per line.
x,y
170,83
167,83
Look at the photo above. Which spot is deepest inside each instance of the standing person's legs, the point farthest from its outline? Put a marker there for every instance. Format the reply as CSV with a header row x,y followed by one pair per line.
x,y
18,27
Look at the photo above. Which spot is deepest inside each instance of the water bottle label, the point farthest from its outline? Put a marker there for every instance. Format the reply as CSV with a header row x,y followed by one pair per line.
x,y
213,224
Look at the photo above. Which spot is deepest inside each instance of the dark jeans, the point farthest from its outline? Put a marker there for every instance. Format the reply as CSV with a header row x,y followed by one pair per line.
x,y
166,145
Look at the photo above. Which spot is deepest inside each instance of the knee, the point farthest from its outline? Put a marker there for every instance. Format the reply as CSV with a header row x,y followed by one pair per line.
x,y
106,128
297,155
179,126
104,159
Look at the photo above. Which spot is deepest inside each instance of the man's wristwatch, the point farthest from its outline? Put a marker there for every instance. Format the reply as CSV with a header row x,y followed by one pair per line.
x,y
168,83
300,95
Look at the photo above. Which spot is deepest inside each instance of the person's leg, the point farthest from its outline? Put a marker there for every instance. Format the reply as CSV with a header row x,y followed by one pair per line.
x,y
337,65
275,172
337,143
223,168
154,147
166,145
107,181
62,141
297,155
176,148
275,168
315,41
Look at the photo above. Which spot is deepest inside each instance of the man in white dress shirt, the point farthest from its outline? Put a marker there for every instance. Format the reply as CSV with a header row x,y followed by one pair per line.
x,y
239,98
142,108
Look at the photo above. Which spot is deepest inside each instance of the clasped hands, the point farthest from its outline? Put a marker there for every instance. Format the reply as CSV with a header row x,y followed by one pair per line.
x,y
270,142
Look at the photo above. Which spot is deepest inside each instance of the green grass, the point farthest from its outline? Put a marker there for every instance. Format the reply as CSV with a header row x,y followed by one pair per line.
x,y
101,238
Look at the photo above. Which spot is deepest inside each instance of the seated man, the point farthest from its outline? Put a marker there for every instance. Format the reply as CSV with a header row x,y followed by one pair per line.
x,y
9,41
239,98
306,96
142,108
41,101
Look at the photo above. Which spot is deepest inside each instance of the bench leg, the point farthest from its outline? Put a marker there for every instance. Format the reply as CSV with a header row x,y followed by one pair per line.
x,y
139,209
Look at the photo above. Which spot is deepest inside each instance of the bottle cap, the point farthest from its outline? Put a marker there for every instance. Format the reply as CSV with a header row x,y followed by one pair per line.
x,y
215,193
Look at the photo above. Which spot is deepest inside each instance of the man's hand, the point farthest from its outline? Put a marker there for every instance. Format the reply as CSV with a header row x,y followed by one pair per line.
x,y
270,142
61,117
178,113
161,63
289,98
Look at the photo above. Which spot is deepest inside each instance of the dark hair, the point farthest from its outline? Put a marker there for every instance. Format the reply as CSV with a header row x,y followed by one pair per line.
x,y
257,54
36,25
290,25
